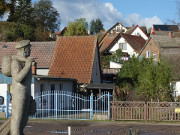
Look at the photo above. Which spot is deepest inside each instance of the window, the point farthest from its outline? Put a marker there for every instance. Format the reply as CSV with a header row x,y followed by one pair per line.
x,y
52,87
60,86
42,88
154,56
118,29
148,54
123,46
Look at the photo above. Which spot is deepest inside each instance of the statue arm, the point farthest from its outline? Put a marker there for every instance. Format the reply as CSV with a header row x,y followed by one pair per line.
x,y
18,73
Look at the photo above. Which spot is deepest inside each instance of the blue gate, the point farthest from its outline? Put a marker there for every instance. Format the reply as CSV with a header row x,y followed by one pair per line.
x,y
67,105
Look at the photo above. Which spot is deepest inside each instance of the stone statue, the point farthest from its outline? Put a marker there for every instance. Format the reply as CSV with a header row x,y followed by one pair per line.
x,y
23,104
21,87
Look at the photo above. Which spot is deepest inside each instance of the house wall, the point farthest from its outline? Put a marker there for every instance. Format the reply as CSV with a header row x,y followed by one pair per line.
x,y
42,71
129,50
151,46
115,65
116,29
177,88
66,85
96,76
3,90
140,32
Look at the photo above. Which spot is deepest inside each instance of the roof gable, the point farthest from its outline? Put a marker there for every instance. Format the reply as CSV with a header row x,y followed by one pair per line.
x,y
136,42
41,51
73,57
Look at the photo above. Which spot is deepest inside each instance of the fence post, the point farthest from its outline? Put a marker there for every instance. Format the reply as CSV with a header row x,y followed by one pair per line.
x,y
7,104
91,106
145,112
56,104
108,107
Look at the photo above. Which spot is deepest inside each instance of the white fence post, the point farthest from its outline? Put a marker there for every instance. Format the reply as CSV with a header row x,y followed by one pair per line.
x,y
7,104
69,130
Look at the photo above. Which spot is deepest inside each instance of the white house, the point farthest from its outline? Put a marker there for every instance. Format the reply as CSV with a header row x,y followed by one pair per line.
x,y
129,44
117,28
137,31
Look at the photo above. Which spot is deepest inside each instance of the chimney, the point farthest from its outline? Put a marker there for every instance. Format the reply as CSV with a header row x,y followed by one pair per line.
x,y
34,66
171,34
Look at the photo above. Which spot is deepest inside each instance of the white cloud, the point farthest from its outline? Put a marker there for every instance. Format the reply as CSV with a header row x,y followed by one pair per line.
x,y
92,9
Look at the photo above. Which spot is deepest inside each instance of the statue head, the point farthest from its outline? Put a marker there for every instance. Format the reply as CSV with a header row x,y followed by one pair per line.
x,y
23,48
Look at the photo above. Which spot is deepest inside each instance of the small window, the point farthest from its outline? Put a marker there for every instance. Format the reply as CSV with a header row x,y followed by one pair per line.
x,y
123,46
148,54
154,56
118,29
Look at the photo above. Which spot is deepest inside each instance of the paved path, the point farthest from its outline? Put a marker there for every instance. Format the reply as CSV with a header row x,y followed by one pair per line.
x,y
53,127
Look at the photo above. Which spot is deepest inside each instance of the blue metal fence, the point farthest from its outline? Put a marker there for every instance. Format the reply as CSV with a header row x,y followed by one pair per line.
x,y
67,105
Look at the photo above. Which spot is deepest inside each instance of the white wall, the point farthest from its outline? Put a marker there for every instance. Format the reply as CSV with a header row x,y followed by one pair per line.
x,y
129,50
3,89
96,77
42,71
138,30
177,88
115,65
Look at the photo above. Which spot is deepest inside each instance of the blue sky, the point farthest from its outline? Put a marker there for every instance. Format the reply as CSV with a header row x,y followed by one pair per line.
x,y
164,9
128,12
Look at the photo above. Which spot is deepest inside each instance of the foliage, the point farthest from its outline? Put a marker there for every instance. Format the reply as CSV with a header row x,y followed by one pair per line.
x,y
105,59
116,57
46,16
22,12
4,7
150,80
96,26
10,31
77,28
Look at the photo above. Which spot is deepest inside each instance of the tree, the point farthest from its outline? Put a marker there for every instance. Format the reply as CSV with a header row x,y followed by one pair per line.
x,y
46,16
77,28
150,80
4,7
96,26
22,12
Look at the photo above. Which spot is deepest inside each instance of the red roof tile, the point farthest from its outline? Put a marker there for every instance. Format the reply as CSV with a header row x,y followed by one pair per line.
x,y
73,57
107,42
41,51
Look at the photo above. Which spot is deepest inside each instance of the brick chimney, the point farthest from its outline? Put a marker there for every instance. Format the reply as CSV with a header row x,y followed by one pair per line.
x,y
171,34
34,66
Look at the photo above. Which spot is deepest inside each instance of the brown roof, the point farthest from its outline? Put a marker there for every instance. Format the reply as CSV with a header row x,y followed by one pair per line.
x,y
107,41
136,42
41,51
73,57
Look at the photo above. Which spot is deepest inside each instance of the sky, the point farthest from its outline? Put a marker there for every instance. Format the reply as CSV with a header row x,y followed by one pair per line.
x,y
128,12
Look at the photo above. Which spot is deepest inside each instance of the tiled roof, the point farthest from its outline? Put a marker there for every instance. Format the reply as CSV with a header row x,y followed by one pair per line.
x,y
73,57
136,42
41,51
166,41
107,41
